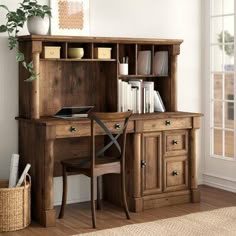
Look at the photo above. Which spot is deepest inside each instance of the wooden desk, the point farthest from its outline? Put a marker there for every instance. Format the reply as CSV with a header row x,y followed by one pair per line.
x,y
151,155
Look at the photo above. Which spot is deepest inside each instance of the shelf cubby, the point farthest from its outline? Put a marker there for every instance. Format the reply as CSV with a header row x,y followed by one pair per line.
x,y
128,50
86,46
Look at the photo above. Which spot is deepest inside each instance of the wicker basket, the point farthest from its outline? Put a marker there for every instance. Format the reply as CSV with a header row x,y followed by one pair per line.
x,y
14,206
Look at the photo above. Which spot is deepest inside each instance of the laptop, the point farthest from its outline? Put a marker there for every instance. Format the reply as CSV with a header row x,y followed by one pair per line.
x,y
74,112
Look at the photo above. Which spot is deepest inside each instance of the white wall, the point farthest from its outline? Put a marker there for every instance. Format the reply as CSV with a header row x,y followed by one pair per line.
x,y
134,18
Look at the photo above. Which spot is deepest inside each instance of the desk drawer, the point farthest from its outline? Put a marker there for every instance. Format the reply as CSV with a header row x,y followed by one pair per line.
x,y
175,142
73,130
175,173
167,124
78,130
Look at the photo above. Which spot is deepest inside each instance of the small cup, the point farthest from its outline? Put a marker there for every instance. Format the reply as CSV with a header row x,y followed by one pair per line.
x,y
123,68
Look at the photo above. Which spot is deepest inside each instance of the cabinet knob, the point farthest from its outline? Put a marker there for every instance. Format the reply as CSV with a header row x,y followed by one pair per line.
x,y
168,122
117,126
143,163
174,142
73,129
175,173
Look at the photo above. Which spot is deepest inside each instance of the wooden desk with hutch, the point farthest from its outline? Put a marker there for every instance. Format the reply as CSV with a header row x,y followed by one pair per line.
x,y
161,147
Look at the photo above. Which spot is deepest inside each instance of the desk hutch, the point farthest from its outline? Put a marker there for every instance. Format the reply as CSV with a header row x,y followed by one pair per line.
x,y
161,147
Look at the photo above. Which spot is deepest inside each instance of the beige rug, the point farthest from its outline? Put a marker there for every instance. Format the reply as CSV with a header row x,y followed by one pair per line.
x,y
220,222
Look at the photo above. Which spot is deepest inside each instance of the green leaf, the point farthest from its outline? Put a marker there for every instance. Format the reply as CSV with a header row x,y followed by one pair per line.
x,y
31,65
3,28
24,64
31,78
5,7
20,12
20,57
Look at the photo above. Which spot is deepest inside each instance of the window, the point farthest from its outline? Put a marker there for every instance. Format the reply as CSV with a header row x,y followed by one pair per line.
x,y
222,78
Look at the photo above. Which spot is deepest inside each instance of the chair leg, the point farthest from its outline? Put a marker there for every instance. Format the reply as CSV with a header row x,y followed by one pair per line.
x,y
93,203
99,193
64,194
124,194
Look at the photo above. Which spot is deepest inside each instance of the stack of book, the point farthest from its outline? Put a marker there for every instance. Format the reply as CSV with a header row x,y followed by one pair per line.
x,y
160,63
139,96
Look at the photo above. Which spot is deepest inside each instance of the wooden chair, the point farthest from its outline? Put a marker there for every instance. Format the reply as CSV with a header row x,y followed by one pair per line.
x,y
99,164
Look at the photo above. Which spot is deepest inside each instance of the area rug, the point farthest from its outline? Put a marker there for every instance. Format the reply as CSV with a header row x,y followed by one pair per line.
x,y
220,222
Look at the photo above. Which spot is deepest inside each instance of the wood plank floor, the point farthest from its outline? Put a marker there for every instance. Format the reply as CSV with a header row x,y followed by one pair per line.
x,y
78,216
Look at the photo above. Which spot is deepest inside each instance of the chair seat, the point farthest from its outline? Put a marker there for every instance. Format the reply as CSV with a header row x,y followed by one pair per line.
x,y
104,164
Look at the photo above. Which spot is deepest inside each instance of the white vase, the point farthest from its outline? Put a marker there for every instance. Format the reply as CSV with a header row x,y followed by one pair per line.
x,y
38,25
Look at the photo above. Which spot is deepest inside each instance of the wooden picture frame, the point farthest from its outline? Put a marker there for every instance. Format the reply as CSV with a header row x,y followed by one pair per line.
x,y
70,17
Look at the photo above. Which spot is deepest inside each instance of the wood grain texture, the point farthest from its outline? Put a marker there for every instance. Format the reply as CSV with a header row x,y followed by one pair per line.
x,y
152,163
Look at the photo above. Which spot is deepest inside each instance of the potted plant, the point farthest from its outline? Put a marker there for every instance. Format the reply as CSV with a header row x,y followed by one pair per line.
x,y
33,13
228,47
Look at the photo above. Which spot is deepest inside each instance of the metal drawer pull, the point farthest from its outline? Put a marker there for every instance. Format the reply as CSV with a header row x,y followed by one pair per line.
x,y
73,129
168,122
117,126
174,142
175,173
143,163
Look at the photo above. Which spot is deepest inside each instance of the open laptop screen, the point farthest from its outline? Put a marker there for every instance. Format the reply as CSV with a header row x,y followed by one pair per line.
x,y
73,112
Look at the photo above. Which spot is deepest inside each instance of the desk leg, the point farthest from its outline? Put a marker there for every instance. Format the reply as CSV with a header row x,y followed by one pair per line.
x,y
48,214
194,186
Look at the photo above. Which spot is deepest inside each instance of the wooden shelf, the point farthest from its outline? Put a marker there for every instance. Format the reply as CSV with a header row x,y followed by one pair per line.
x,y
70,59
141,76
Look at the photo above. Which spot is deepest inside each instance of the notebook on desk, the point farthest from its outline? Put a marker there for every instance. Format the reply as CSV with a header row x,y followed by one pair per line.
x,y
74,112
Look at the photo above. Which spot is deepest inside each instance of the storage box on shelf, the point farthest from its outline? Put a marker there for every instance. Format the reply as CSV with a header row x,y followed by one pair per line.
x,y
161,168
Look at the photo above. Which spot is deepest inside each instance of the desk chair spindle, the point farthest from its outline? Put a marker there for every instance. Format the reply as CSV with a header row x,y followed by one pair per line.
x,y
99,164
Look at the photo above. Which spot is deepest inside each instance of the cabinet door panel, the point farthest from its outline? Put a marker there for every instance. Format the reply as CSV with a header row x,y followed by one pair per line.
x,y
175,172
151,163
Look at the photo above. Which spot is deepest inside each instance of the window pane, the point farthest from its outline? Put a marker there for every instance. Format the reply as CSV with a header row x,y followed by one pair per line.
x,y
218,142
217,58
229,27
217,77
217,28
229,144
229,86
229,114
228,6
217,114
217,7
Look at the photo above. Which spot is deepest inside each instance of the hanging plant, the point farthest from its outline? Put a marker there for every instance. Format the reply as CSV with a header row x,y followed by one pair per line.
x,y
16,20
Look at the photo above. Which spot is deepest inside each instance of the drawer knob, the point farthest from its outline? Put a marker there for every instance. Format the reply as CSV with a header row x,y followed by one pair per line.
x,y
73,129
117,126
175,173
168,122
174,142
143,163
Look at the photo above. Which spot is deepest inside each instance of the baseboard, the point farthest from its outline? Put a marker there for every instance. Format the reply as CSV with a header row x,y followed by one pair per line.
x,y
221,182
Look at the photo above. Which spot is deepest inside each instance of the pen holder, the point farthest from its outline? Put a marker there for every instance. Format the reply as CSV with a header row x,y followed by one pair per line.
x,y
123,69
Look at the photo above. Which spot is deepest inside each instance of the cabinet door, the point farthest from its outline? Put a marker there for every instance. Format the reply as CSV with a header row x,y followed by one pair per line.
x,y
175,173
151,163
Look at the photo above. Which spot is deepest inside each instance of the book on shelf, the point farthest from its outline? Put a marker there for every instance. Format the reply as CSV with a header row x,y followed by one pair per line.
x,y
160,63
158,103
148,102
13,170
144,62
139,96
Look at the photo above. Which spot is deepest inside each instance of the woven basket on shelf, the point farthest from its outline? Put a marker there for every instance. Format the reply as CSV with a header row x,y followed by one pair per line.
x,y
14,206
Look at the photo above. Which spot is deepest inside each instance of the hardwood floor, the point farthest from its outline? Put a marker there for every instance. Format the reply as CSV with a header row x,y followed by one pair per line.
x,y
78,216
